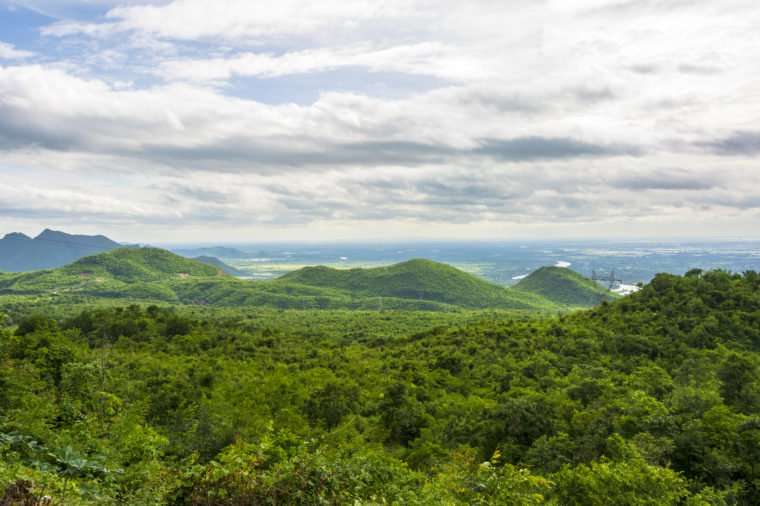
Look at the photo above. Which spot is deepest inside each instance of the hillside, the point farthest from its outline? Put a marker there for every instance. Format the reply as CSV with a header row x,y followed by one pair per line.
x,y
129,273
564,286
50,249
417,279
215,262
150,274
140,264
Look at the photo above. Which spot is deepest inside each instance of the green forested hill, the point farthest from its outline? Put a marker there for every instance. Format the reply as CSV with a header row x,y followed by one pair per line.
x,y
564,286
140,264
417,279
130,273
652,399
149,274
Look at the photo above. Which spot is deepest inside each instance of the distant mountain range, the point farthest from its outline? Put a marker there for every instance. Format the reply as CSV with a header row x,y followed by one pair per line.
x,y
151,274
417,279
100,267
50,249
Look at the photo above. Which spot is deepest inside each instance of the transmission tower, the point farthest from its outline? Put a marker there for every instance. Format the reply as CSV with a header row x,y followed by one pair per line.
x,y
610,279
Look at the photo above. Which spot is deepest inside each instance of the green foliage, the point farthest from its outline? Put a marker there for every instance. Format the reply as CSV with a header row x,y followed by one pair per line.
x,y
463,480
631,482
333,402
417,279
139,264
564,286
155,275
265,473
649,399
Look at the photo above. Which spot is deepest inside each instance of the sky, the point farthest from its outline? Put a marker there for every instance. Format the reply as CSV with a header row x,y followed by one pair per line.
x,y
253,121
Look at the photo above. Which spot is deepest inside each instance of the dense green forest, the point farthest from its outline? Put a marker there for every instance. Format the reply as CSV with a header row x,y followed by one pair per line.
x,y
650,399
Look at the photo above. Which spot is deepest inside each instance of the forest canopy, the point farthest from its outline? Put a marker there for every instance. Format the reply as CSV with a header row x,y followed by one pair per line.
x,y
650,399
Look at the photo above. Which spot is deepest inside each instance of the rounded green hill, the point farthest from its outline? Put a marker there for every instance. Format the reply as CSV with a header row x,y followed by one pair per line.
x,y
564,286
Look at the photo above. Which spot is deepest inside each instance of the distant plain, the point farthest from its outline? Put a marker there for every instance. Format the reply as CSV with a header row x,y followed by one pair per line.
x,y
502,262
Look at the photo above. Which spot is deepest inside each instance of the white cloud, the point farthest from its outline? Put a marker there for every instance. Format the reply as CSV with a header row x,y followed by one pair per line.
x,y
8,52
579,116
192,19
428,58
63,201
54,109
357,158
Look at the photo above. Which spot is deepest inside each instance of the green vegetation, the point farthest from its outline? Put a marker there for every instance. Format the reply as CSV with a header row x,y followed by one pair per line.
x,y
564,286
139,265
650,399
132,273
155,275
417,279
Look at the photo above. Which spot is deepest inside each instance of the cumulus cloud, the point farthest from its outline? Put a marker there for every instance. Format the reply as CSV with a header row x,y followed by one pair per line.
x,y
9,52
200,128
516,195
542,148
193,19
531,113
742,143
430,58
666,180
44,203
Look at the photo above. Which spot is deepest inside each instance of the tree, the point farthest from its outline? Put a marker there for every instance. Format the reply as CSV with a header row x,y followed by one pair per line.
x,y
739,377
331,403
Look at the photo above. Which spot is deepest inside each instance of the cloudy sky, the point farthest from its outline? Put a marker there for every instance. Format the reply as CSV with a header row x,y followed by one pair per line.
x,y
245,120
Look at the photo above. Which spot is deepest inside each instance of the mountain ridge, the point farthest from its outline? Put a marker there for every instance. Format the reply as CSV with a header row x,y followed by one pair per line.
x,y
49,249
153,274
415,278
